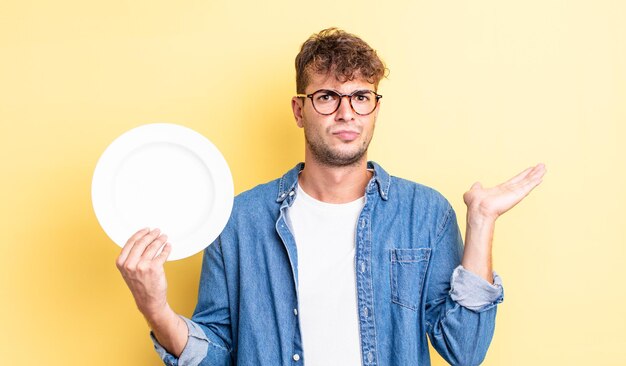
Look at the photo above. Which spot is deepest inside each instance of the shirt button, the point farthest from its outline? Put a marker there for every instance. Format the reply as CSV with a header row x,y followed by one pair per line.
x,y
362,267
370,356
291,194
295,311
296,357
365,312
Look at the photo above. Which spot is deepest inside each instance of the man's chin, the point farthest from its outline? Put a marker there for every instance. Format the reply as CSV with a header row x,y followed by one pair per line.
x,y
340,155
341,160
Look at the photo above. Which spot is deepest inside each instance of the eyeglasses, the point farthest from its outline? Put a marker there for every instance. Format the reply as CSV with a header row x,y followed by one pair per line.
x,y
326,102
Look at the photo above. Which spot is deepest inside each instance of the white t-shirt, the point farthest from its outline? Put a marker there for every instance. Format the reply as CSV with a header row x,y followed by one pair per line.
x,y
327,299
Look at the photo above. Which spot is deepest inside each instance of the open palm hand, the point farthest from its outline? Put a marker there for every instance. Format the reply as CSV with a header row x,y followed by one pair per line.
x,y
493,202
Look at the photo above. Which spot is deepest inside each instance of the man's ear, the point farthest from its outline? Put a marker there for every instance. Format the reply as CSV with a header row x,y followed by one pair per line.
x,y
297,105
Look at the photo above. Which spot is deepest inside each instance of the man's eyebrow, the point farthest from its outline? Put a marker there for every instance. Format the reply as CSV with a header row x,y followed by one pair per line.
x,y
350,93
355,91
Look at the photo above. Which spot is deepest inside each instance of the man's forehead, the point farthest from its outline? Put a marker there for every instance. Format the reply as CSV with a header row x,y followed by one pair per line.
x,y
330,80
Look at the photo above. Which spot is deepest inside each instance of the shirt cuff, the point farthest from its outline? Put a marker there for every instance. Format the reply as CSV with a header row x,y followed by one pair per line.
x,y
194,352
473,292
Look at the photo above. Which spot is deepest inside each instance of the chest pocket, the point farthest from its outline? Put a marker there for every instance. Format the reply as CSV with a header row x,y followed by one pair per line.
x,y
408,270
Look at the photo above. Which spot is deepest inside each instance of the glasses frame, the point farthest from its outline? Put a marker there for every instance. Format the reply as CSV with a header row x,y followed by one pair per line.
x,y
341,96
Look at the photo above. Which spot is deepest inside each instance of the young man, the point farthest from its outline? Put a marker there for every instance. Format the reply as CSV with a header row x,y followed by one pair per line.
x,y
337,262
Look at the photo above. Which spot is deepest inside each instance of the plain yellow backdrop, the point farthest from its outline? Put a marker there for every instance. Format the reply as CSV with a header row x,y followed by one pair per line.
x,y
478,90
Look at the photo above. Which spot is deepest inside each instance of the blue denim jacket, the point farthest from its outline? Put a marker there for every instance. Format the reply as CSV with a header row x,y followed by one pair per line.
x,y
409,283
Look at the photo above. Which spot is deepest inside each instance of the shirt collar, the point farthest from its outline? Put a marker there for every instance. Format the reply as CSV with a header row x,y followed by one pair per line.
x,y
380,180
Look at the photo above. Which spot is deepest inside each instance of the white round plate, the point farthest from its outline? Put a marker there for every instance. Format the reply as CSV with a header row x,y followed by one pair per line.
x,y
163,176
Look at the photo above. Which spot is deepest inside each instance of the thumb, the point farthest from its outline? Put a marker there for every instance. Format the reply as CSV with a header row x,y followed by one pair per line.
x,y
476,185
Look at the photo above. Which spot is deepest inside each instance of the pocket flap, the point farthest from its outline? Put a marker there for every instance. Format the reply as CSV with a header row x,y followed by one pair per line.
x,y
410,255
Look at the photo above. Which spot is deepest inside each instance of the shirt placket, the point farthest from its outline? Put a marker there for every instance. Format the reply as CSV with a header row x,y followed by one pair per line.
x,y
365,293
289,242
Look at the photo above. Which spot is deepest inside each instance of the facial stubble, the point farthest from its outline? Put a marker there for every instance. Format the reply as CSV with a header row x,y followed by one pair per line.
x,y
330,157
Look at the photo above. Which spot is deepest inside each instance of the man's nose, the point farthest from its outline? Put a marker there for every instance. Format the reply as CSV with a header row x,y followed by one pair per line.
x,y
344,112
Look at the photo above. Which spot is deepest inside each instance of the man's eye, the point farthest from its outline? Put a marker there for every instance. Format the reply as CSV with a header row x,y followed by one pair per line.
x,y
326,97
362,97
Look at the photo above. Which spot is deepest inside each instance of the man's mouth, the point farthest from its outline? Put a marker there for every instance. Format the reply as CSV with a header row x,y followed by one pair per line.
x,y
346,135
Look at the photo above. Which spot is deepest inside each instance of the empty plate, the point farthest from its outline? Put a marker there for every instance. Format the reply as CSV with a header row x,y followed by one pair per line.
x,y
167,176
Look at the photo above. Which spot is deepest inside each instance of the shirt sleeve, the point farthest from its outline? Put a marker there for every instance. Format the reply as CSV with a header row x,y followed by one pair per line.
x,y
473,292
194,352
209,337
460,334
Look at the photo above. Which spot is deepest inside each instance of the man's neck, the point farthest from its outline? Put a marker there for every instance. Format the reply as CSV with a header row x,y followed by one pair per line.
x,y
334,184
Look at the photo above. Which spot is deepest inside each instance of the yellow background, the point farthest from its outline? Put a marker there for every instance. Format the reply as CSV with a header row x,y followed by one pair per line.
x,y
478,90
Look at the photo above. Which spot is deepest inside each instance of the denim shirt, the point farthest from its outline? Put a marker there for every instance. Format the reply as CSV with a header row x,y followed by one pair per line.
x,y
409,283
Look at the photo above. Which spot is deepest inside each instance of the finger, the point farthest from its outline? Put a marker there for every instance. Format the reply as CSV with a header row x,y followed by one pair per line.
x,y
129,245
524,191
523,188
165,253
522,180
533,178
140,246
533,181
476,185
519,176
153,247
539,172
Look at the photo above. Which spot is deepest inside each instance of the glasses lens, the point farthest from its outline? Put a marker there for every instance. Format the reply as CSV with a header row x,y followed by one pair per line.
x,y
325,101
363,102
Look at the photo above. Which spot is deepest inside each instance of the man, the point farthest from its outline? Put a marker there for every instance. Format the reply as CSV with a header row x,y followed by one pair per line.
x,y
337,262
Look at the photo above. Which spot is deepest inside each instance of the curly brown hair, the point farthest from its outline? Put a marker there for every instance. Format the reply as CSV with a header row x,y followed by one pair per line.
x,y
344,54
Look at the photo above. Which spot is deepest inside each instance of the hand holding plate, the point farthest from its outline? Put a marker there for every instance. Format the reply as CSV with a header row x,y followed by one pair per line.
x,y
142,270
